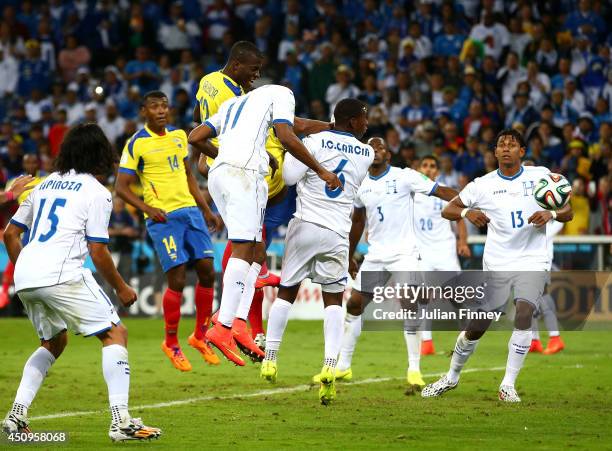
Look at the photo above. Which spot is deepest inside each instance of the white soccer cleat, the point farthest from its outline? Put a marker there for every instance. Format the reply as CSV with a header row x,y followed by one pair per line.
x,y
132,429
438,388
507,393
14,422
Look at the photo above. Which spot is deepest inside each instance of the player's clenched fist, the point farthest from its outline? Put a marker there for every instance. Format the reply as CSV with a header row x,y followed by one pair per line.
x,y
127,295
331,179
540,218
477,217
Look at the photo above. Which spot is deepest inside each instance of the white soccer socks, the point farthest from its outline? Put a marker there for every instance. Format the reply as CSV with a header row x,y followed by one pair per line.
x,y
234,280
352,331
277,322
249,290
332,332
116,370
464,348
413,346
518,347
34,373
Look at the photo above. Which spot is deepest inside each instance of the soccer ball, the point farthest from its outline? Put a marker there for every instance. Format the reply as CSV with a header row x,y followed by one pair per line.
x,y
552,192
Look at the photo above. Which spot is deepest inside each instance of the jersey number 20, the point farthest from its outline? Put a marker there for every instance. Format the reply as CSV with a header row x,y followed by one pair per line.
x,y
333,193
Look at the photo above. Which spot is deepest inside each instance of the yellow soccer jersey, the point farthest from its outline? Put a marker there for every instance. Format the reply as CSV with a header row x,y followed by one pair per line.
x,y
214,89
36,181
276,149
159,162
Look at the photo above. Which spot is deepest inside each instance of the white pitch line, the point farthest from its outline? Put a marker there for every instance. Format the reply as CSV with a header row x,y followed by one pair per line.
x,y
269,392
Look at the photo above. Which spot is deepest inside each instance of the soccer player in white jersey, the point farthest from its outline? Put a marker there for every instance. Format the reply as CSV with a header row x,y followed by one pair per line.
x,y
438,246
516,244
547,307
385,205
65,215
316,244
236,182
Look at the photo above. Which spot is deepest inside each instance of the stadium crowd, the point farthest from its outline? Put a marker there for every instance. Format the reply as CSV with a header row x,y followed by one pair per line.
x,y
440,77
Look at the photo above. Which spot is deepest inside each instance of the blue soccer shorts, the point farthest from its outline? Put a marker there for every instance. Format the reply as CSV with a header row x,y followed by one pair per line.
x,y
182,238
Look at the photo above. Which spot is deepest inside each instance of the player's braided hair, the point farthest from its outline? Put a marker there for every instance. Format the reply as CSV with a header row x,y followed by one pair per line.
x,y
86,149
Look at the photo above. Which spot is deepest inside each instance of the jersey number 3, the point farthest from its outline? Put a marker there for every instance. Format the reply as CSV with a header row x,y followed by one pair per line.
x,y
333,193
52,217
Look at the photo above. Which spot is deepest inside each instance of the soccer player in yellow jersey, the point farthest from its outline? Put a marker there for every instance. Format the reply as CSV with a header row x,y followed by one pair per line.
x,y
31,165
157,155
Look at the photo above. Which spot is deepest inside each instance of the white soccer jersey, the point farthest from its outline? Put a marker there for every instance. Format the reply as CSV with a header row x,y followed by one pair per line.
x,y
242,125
511,243
389,203
433,232
341,153
61,215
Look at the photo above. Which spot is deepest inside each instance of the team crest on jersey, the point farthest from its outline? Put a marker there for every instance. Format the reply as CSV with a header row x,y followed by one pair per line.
x,y
528,188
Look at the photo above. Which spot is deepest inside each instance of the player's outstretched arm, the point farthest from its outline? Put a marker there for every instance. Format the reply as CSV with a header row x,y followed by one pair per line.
x,y
122,187
102,260
198,138
303,126
445,193
454,209
212,220
295,147
357,227
540,218
12,241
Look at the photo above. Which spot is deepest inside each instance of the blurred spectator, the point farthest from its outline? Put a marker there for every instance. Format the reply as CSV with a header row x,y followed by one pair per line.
x,y
111,123
575,163
342,89
469,161
57,132
33,71
521,112
74,108
178,33
142,71
579,225
450,42
9,73
72,57
35,105
448,175
12,160
122,231
493,35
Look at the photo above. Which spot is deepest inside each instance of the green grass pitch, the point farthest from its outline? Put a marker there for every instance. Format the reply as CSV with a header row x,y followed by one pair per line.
x,y
567,398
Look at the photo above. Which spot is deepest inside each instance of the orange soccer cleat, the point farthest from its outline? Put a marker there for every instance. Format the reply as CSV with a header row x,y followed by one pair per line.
x,y
555,344
177,357
221,338
267,280
427,347
201,346
536,346
245,342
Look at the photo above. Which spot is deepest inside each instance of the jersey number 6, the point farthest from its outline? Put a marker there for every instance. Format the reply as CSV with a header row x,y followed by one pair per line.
x,y
333,193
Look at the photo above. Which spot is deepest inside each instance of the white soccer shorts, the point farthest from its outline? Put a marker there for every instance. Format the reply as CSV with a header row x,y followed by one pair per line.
x,y
79,305
317,253
525,285
405,269
440,261
240,196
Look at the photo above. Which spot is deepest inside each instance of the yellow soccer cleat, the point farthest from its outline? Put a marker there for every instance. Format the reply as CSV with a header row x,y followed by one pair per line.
x,y
177,357
207,353
341,376
268,370
327,390
415,382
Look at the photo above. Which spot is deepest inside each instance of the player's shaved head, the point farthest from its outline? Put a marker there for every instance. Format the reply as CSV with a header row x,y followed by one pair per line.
x,y
351,115
153,95
242,50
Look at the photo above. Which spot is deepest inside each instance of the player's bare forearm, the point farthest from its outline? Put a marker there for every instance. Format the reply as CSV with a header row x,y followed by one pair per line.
x,y
102,260
541,218
445,193
194,189
453,209
12,241
565,214
122,188
357,228
199,135
296,148
196,113
462,233
303,126
206,148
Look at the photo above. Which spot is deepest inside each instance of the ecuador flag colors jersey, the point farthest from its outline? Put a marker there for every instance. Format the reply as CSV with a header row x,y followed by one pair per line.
x,y
159,162
276,149
214,89
40,176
